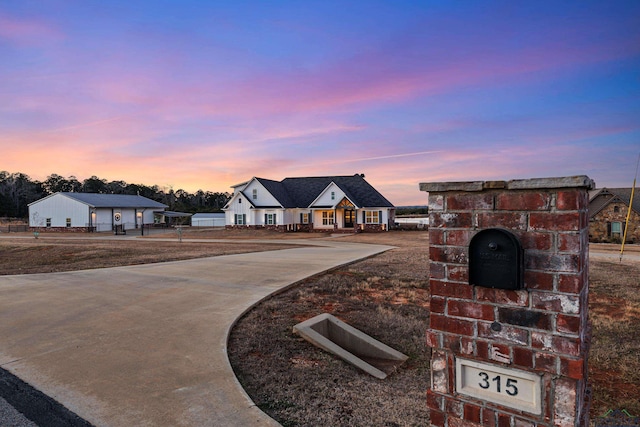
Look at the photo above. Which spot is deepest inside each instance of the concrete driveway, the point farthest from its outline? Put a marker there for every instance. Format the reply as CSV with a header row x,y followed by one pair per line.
x,y
146,345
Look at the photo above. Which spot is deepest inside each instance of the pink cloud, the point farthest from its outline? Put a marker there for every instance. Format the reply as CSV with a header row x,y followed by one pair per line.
x,y
27,32
370,79
162,85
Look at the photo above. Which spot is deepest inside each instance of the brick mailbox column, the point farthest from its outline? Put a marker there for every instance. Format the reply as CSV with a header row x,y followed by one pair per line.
x,y
509,357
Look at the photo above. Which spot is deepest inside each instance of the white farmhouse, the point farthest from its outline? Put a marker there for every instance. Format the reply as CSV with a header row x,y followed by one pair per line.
x,y
92,212
326,203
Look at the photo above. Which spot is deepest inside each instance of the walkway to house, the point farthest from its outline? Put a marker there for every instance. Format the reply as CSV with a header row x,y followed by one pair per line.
x,y
145,345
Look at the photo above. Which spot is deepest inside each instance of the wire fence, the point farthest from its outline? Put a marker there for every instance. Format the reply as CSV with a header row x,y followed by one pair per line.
x,y
14,228
125,228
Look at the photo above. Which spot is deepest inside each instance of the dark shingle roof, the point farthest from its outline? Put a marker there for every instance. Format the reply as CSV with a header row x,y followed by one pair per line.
x,y
602,197
301,192
278,191
114,200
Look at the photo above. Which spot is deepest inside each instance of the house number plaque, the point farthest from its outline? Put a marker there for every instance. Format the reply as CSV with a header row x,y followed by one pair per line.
x,y
507,387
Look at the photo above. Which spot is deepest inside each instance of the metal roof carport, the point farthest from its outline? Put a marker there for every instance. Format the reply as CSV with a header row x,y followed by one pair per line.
x,y
169,217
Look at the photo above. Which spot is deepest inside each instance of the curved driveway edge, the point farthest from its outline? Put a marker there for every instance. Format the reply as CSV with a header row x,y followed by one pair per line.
x,y
145,345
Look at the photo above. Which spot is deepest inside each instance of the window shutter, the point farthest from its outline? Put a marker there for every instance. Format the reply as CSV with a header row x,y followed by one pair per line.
x,y
244,219
265,219
275,219
609,229
301,218
364,217
379,217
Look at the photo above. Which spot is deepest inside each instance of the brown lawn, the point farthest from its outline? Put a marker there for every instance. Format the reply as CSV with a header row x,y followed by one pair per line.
x,y
52,252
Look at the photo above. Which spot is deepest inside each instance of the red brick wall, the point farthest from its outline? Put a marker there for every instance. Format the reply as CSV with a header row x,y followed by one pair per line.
x,y
543,328
370,228
367,228
62,229
279,228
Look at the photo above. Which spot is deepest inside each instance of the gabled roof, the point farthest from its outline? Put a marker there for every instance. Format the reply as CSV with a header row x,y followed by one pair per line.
x,y
242,184
599,199
313,203
355,187
235,196
301,192
278,191
114,200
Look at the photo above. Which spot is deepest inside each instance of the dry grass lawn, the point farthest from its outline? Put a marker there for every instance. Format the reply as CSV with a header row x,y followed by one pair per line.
x,y
53,252
300,385
614,360
386,296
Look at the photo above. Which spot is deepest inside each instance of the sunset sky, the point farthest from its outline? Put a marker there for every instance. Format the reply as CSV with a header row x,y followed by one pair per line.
x,y
205,94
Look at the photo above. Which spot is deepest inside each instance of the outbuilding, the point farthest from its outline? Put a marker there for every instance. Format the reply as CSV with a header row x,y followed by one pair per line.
x,y
92,212
208,220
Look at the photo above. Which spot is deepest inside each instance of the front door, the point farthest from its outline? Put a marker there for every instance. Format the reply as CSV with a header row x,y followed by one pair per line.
x,y
349,218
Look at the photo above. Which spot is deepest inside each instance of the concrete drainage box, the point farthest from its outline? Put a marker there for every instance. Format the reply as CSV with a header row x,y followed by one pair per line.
x,y
350,344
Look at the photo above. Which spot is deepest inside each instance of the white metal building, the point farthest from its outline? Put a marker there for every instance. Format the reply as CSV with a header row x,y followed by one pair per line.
x,y
208,220
92,212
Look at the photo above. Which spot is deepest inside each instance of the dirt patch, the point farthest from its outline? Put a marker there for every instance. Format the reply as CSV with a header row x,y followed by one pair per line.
x,y
610,308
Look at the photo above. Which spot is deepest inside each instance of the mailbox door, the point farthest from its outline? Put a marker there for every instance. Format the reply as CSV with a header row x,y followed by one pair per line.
x,y
496,260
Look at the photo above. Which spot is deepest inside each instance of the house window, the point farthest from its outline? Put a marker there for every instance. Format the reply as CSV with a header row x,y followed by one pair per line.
x,y
372,217
239,199
304,218
239,219
333,195
616,209
270,219
327,218
616,229
68,222
48,222
255,194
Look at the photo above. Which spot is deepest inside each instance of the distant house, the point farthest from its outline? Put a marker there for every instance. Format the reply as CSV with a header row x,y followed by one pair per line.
x,y
93,212
326,203
208,220
608,209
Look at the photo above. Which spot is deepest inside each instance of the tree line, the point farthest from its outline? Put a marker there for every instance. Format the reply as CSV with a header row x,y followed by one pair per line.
x,y
17,190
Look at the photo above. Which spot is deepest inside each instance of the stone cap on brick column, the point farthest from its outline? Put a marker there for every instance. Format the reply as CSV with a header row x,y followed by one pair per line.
x,y
578,181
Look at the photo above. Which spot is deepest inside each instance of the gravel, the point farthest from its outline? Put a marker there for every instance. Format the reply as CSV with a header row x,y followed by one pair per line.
x,y
10,417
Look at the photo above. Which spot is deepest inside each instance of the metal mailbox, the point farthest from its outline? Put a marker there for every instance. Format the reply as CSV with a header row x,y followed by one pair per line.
x,y
496,260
